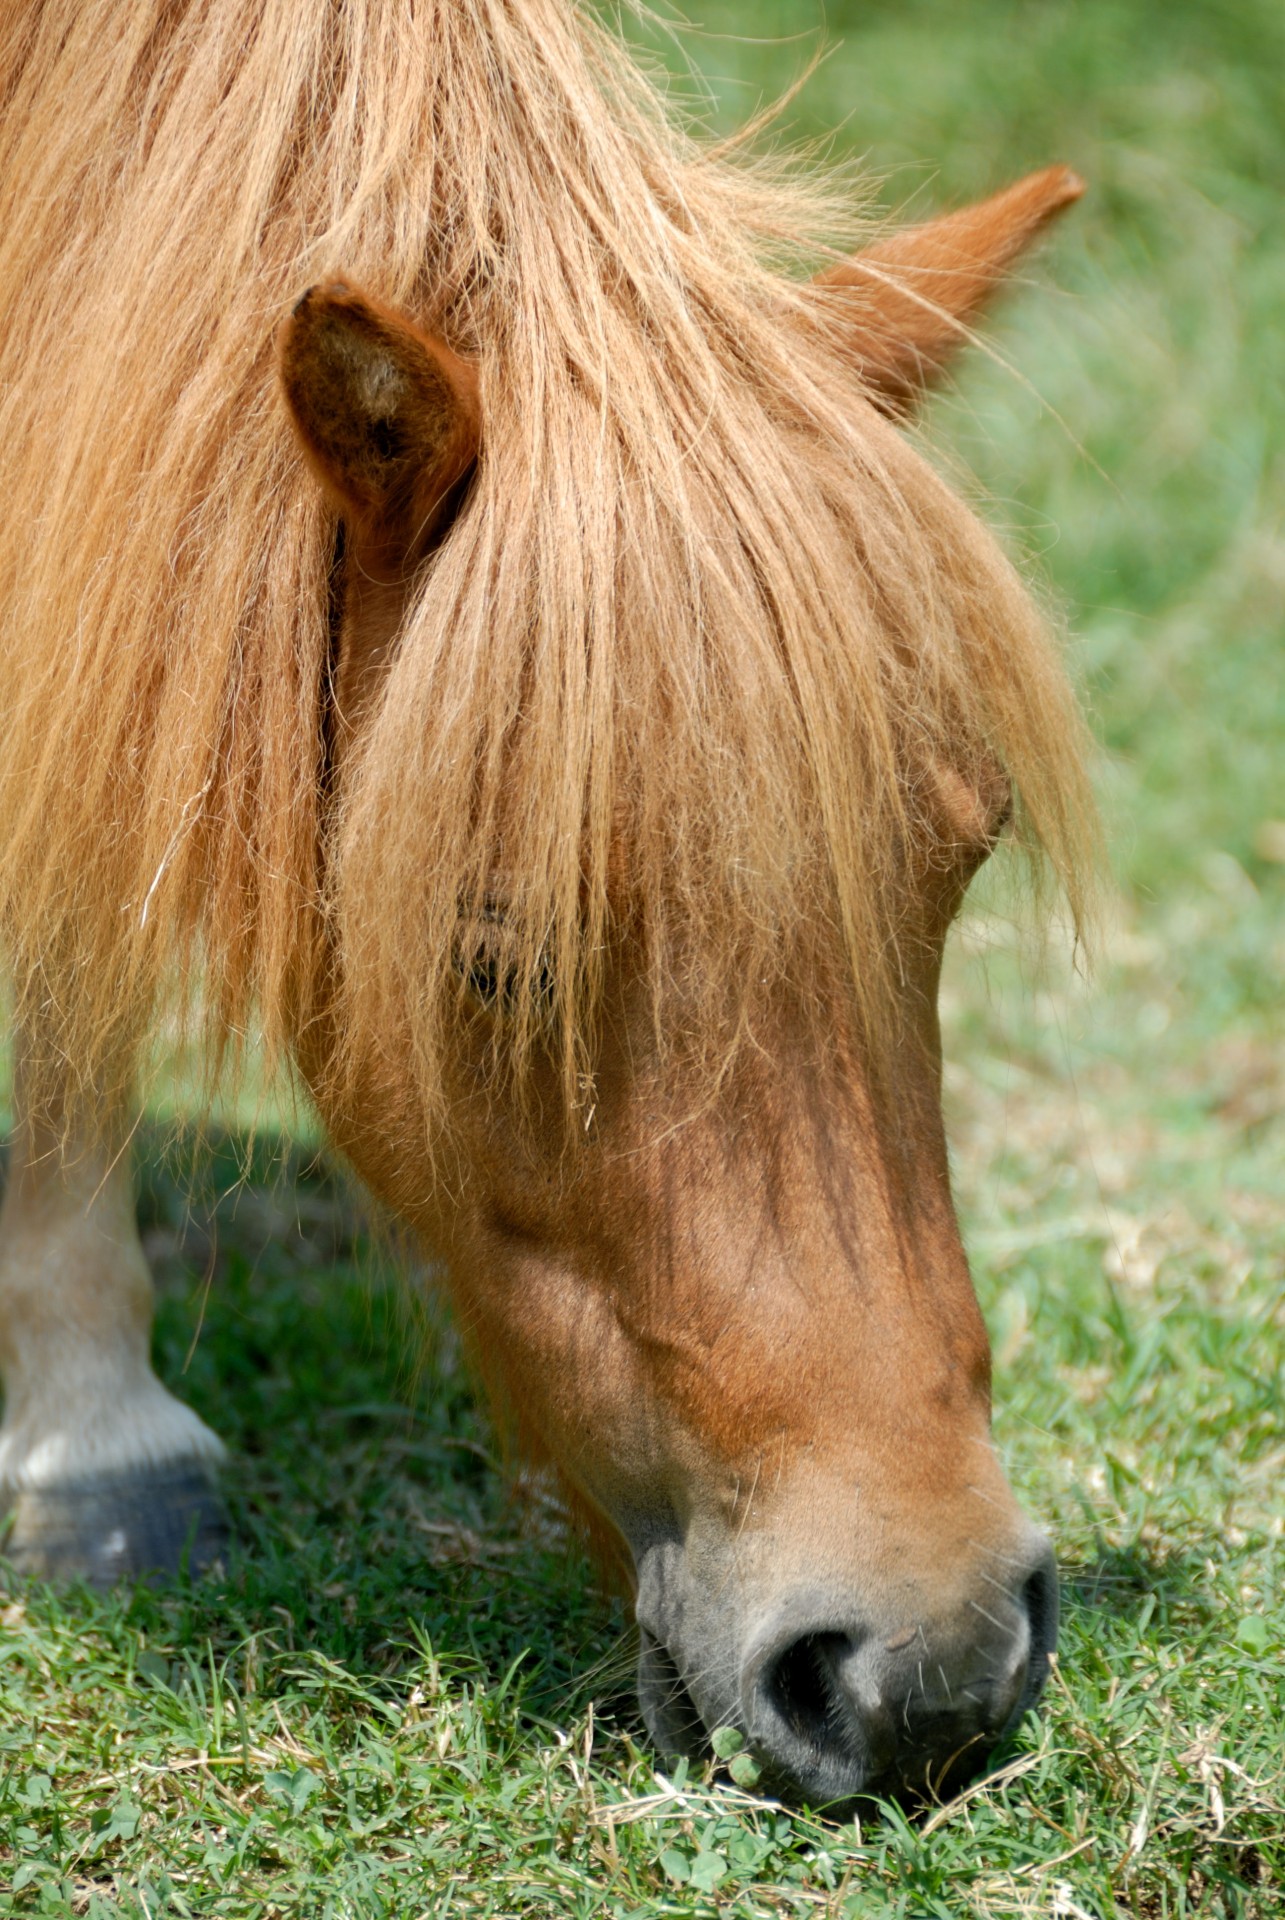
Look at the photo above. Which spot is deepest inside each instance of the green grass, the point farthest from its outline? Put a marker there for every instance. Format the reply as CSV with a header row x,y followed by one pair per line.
x,y
406,1696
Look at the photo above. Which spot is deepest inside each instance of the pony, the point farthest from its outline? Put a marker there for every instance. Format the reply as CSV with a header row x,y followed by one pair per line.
x,y
477,632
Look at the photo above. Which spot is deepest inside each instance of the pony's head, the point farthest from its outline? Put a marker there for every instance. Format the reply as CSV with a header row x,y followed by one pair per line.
x,y
634,917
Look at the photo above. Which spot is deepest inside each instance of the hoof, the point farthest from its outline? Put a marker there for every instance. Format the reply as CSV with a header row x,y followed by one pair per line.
x,y
157,1521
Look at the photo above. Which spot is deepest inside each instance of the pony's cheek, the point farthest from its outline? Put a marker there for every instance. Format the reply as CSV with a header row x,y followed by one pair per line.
x,y
554,1354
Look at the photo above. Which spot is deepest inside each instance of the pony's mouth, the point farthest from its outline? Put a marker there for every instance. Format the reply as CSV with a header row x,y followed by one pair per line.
x,y
834,1709
672,1717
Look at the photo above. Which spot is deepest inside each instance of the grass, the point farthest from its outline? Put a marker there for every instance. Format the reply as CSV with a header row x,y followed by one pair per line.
x,y
406,1697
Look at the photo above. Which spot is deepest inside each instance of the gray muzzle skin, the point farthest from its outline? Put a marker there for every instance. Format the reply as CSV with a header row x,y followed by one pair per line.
x,y
837,1700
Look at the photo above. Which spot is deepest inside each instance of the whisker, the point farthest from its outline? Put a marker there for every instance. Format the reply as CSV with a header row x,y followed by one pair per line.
x,y
984,1546
981,1494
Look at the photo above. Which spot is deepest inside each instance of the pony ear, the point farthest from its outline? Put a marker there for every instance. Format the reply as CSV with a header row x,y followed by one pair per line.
x,y
908,303
388,416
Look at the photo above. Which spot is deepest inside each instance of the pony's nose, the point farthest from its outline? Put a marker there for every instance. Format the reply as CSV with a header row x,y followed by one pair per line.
x,y
833,1711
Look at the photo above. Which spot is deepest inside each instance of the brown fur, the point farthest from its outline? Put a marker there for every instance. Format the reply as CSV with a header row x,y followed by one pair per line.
x,y
693,1274
706,621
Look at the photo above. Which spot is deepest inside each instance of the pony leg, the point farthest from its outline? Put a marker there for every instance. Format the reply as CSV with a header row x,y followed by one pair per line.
x,y
104,1473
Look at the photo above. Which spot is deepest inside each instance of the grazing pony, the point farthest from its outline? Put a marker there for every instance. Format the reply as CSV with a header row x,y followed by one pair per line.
x,y
473,623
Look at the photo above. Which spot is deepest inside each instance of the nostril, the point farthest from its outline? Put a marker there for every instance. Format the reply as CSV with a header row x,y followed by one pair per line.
x,y
801,1686
817,1730
1039,1600
834,1705
1039,1597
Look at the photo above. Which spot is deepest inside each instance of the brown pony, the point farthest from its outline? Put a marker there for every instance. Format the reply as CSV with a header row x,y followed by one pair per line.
x,y
578,782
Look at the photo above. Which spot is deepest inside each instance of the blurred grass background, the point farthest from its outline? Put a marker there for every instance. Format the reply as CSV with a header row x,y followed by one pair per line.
x,y
340,1727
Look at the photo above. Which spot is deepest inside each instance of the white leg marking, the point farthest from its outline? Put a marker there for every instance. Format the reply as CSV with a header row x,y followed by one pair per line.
x,y
81,1399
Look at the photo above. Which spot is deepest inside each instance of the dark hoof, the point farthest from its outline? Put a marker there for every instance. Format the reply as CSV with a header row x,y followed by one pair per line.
x,y
154,1521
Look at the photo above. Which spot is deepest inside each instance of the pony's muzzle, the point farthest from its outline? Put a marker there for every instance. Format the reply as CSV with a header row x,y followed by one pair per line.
x,y
833,1711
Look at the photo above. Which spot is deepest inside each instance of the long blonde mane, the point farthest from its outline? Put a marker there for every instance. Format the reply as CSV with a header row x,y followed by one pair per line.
x,y
706,621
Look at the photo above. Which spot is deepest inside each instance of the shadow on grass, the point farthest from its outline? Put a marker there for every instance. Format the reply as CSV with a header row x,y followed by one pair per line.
x,y
370,1512
1135,1582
